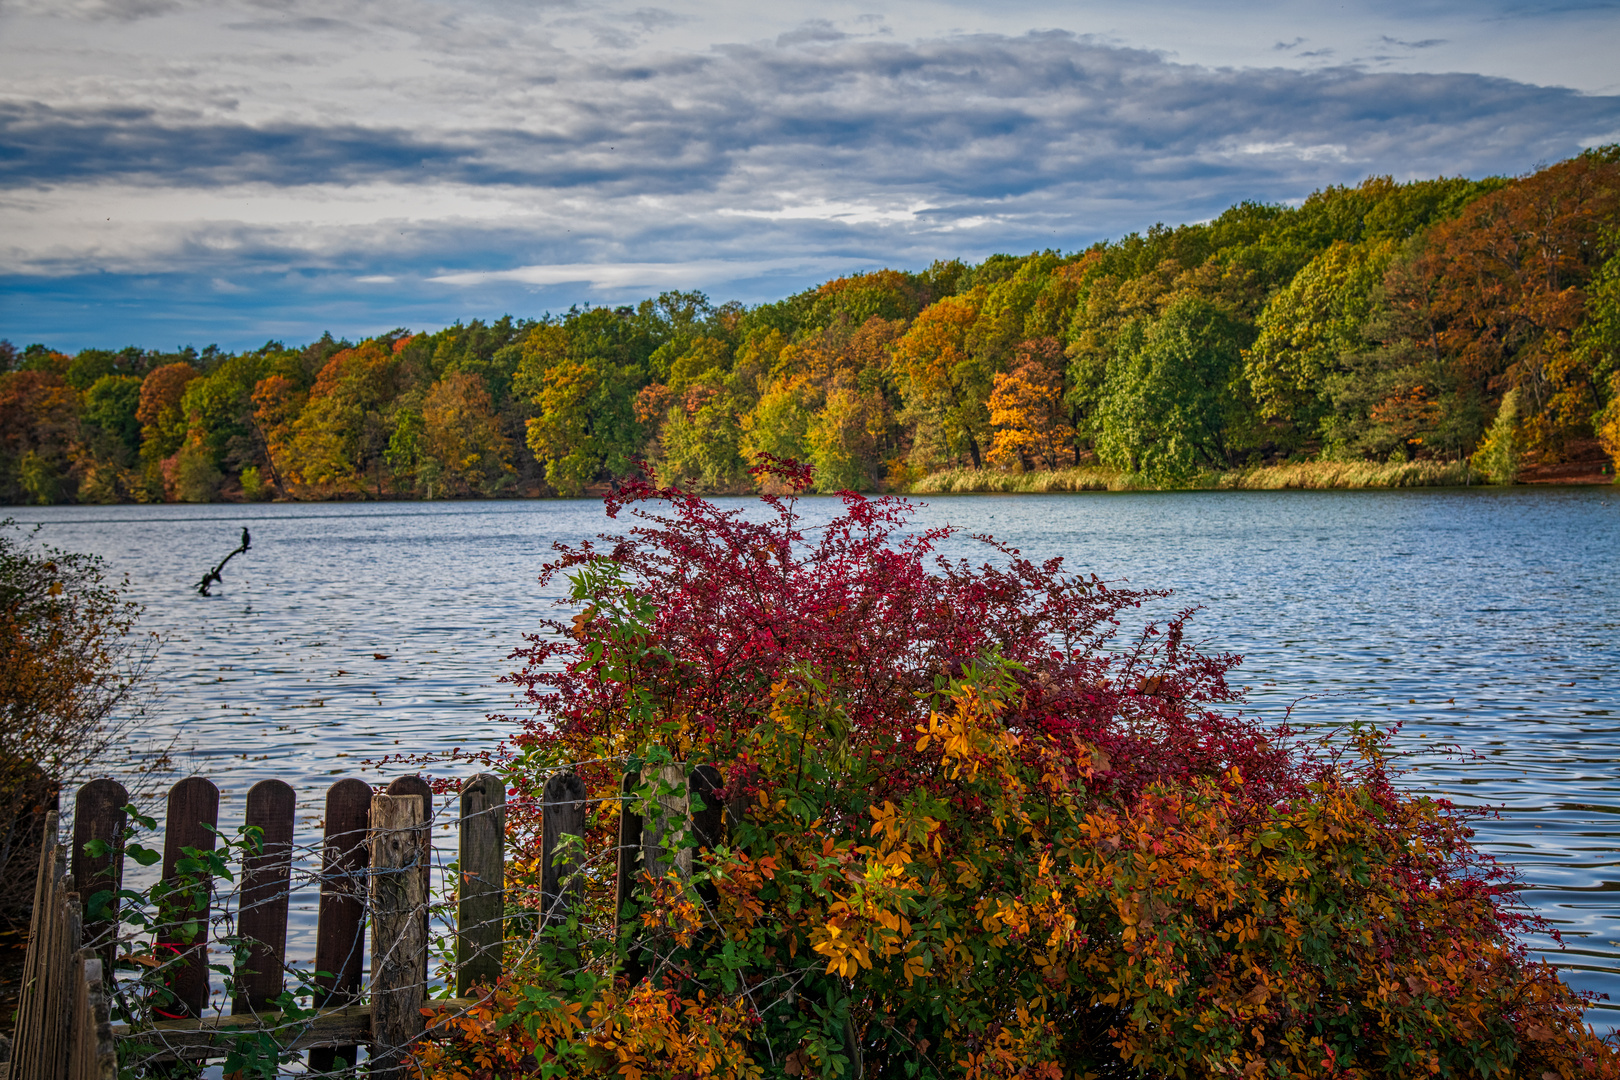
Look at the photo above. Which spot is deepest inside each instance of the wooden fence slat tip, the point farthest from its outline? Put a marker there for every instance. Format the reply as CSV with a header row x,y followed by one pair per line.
x,y
398,922
481,890
264,895
339,941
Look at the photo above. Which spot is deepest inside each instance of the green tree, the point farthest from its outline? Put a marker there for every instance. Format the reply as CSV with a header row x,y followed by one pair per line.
x,y
586,422
842,442
701,435
110,404
1172,389
1308,328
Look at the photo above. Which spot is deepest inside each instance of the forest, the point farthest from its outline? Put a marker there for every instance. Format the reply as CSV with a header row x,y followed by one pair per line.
x,y
1449,320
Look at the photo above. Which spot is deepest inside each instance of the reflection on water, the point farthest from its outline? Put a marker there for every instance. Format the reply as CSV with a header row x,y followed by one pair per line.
x,y
1487,619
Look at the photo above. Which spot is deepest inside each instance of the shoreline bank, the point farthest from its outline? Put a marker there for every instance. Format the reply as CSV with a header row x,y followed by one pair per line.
x,y
1303,476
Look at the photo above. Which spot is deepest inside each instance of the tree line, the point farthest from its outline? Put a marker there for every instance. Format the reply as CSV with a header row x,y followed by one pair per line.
x,y
1443,319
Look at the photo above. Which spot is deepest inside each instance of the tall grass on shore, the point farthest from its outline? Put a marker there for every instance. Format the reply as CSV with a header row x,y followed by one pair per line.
x,y
1310,475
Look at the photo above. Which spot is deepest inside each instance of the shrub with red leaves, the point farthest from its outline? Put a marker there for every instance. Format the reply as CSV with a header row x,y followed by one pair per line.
x,y
736,603
1091,863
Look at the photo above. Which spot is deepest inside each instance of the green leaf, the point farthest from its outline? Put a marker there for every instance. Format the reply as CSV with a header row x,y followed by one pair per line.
x,y
143,855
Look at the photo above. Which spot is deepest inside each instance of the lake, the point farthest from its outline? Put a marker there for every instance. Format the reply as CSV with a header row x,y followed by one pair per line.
x,y
1485,618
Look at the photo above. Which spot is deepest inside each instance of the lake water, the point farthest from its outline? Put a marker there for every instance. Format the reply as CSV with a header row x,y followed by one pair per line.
x,y
1485,618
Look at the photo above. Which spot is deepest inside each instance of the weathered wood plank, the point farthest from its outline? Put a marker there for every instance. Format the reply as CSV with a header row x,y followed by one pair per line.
x,y
339,944
95,1057
266,878
398,943
481,892
417,785
27,1033
98,814
666,836
64,978
195,1040
630,826
708,824
562,813
193,804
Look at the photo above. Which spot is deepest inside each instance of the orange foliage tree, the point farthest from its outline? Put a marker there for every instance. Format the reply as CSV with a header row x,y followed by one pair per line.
x,y
69,665
1028,410
944,380
463,434
1505,290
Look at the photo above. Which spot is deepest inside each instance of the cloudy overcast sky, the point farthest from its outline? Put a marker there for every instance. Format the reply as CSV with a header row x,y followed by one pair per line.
x,y
174,172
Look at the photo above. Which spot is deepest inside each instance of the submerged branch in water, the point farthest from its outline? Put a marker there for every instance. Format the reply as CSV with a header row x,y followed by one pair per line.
x,y
213,576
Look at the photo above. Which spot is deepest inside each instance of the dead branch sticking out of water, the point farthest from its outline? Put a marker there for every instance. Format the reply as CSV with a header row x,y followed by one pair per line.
x,y
212,577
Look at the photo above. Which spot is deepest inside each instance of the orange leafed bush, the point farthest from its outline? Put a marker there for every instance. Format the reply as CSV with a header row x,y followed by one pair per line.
x,y
1056,855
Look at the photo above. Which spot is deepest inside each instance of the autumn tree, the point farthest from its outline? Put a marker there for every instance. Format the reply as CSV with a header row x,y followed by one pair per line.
x,y
70,670
163,424
1599,340
1028,411
1506,288
460,431
944,382
340,438
38,426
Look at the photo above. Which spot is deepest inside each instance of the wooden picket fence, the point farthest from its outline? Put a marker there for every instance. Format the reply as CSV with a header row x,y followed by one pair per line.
x,y
376,858
62,1025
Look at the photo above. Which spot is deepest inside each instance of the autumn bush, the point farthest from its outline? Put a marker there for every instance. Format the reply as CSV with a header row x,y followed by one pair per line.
x,y
70,686
982,820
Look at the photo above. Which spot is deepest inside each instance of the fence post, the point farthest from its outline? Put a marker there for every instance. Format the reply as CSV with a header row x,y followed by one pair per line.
x,y
629,853
64,976
672,819
342,908
98,814
193,804
263,905
481,905
708,824
562,814
398,945
415,785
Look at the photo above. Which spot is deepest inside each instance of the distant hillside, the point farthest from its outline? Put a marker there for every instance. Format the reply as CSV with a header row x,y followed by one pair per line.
x,y
1438,321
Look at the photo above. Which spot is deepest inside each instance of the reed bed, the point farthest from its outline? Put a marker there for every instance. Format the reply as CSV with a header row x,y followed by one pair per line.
x,y
1352,474
970,481
1310,475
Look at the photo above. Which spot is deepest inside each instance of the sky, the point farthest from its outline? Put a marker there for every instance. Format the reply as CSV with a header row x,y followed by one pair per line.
x,y
235,171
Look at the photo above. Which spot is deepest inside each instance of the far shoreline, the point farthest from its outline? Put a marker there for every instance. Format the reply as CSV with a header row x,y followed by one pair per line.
x,y
1299,476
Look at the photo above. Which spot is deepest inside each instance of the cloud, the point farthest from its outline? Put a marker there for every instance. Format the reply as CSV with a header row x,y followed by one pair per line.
x,y
97,10
545,173
615,276
981,116
1426,43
